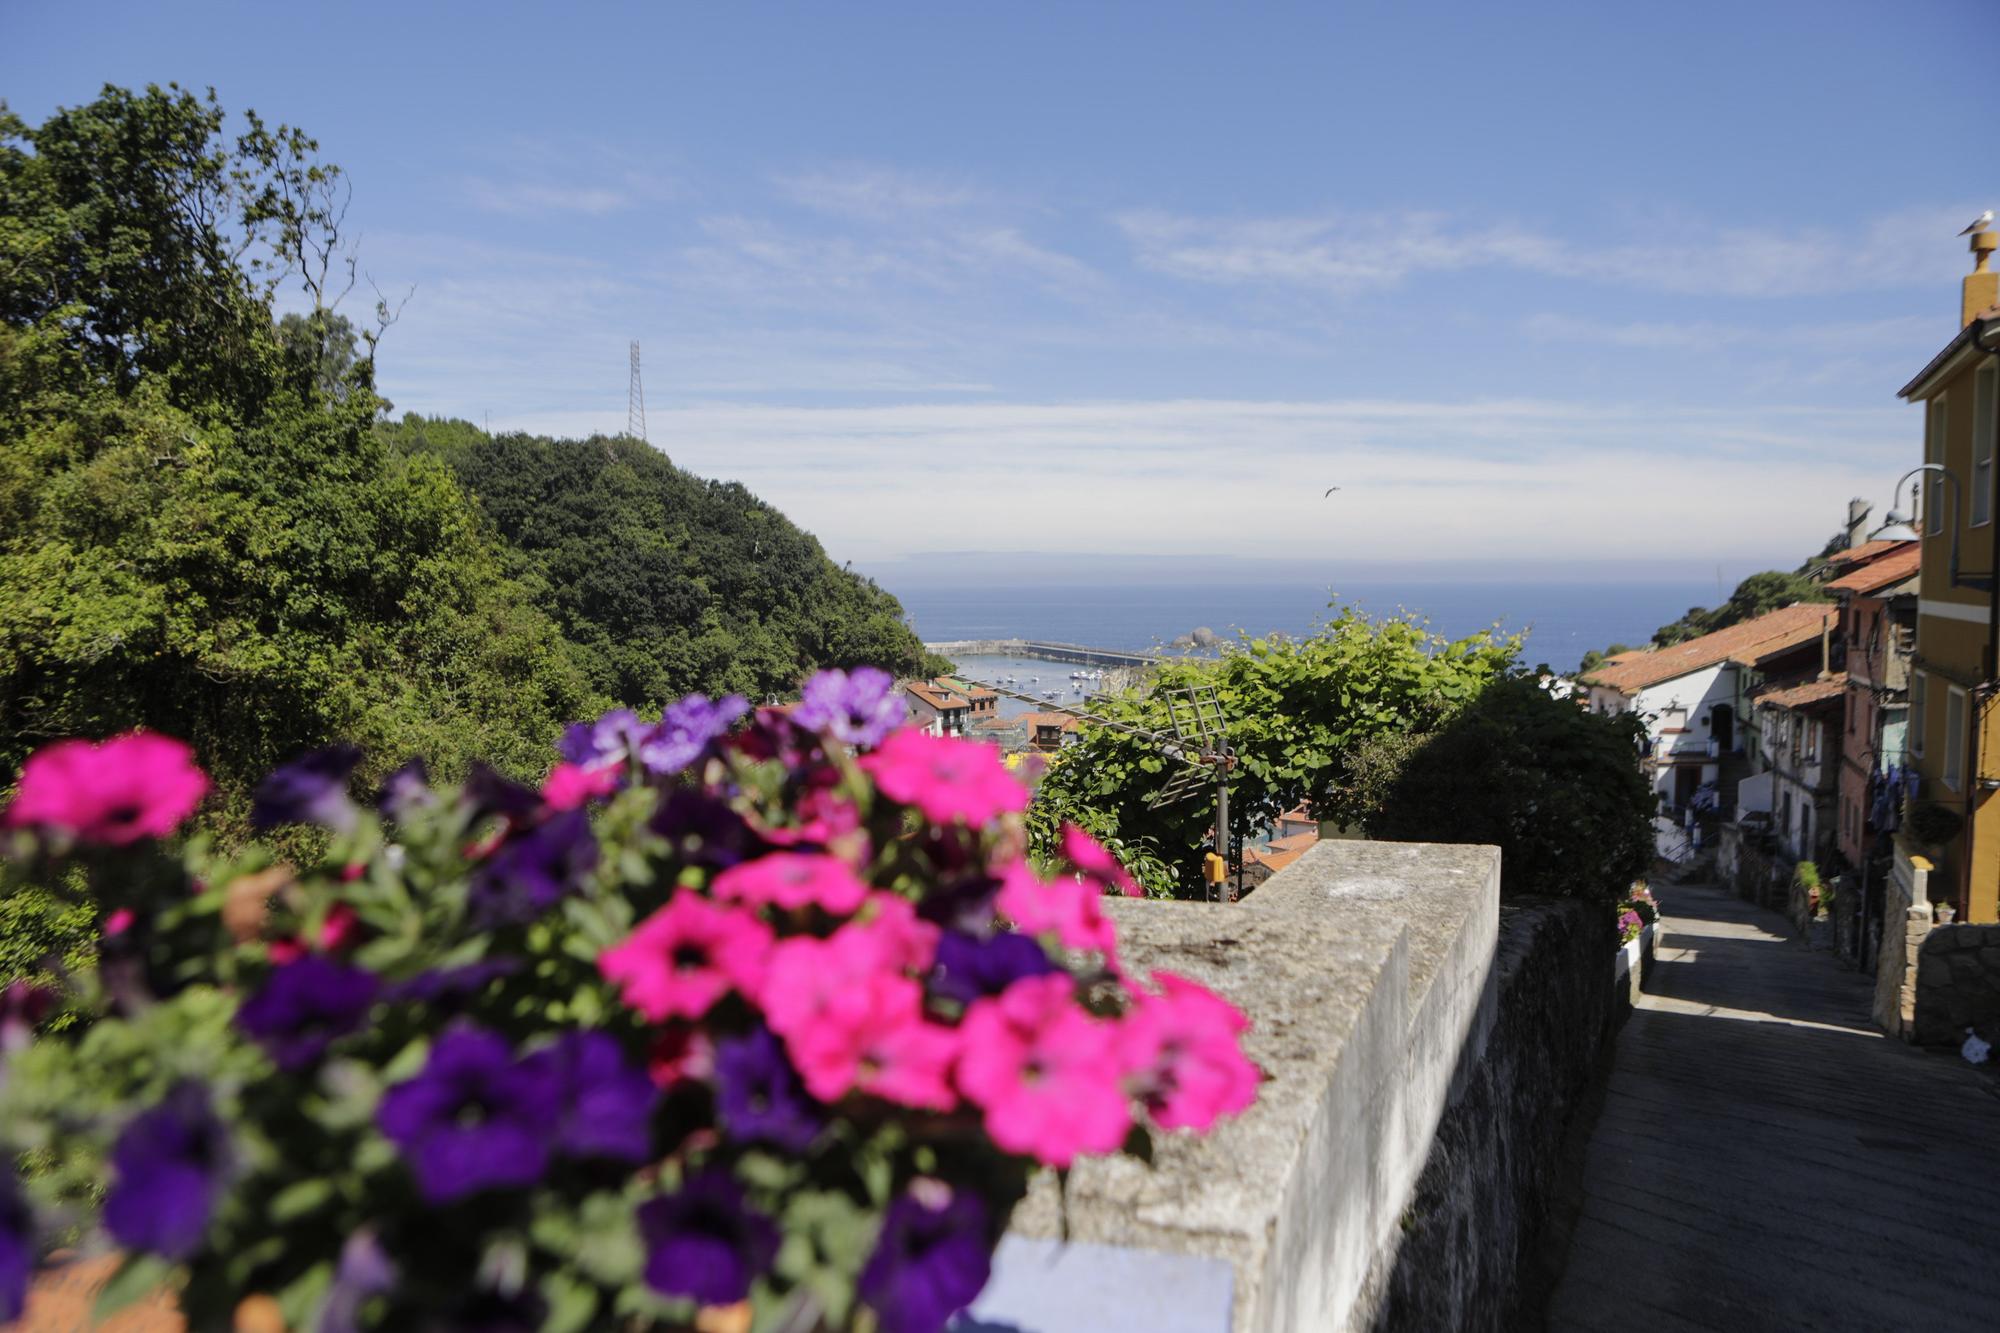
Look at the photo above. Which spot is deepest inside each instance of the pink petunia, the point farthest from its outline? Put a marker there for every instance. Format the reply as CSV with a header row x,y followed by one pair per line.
x,y
1071,910
1182,1050
571,785
341,928
683,958
825,819
138,785
791,880
901,941
872,1036
946,778
1088,856
681,1053
1045,1072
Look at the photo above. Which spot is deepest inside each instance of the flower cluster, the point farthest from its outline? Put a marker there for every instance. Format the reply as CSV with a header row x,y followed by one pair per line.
x,y
1637,910
769,1002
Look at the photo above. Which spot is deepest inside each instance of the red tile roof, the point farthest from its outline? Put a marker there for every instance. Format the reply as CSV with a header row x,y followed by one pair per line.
x,y
1866,551
940,699
1825,690
1748,642
1880,573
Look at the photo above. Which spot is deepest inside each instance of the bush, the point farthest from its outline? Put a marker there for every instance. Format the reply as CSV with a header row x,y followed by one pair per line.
x,y
720,1013
1557,789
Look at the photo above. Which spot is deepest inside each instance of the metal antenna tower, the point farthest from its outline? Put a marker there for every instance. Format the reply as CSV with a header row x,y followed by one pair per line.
x,y
635,400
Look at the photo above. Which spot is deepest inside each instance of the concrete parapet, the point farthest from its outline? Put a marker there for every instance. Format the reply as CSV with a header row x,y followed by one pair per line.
x,y
1367,972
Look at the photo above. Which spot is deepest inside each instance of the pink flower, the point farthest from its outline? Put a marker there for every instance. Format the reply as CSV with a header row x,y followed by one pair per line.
x,y
1087,855
1182,1050
341,928
872,1036
571,785
1069,909
806,973
946,778
1045,1072
288,949
889,926
825,819
791,880
118,922
683,958
139,785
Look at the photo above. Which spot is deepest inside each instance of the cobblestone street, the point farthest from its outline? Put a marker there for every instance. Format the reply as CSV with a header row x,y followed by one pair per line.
x,y
1767,1159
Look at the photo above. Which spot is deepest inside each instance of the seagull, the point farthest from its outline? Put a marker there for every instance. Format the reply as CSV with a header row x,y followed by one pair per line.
x,y
1329,491
1980,223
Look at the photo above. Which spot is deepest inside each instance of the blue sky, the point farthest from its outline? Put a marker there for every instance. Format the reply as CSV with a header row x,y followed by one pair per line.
x,y
1543,287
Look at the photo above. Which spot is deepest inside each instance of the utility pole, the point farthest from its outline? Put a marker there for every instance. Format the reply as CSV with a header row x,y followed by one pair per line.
x,y
635,400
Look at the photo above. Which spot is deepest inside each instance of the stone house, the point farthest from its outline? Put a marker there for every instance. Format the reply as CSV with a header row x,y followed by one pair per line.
x,y
1799,724
937,708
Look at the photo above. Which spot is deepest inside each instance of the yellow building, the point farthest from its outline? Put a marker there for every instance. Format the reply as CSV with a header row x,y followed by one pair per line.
x,y
1954,724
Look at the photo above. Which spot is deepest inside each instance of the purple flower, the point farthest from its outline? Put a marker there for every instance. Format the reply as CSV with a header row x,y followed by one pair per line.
x,y
606,1103
170,1162
703,830
305,1006
487,793
705,1242
364,1271
441,984
758,1096
968,968
687,730
526,874
475,1118
860,707
407,789
609,740
17,1248
312,789
963,902
929,1263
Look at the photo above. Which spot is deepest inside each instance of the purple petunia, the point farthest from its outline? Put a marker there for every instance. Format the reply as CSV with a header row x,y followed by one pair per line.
x,y
487,793
405,790
307,1005
312,789
606,1103
609,740
686,731
365,1271
446,984
860,707
758,1096
170,1163
929,1262
705,1242
530,871
17,1248
705,831
969,968
475,1118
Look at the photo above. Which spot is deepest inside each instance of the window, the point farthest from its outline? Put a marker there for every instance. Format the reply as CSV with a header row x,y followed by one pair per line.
x,y
1986,386
1934,424
1954,737
1917,691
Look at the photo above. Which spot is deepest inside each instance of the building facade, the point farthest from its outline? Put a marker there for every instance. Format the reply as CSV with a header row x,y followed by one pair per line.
x,y
1952,819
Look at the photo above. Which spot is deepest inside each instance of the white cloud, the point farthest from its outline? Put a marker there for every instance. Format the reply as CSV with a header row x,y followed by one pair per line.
x,y
876,193
1344,252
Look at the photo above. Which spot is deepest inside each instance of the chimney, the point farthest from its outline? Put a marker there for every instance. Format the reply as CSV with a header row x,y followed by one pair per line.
x,y
1982,287
1858,510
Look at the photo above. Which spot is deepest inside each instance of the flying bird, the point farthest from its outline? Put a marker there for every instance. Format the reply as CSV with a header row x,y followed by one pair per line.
x,y
1329,491
1979,223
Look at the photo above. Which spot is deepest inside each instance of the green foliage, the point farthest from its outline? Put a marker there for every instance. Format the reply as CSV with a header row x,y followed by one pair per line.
x,y
1556,788
1595,658
669,583
1300,712
1754,596
1806,875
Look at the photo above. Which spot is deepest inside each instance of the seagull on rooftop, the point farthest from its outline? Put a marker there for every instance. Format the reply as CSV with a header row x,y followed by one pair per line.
x,y
1980,223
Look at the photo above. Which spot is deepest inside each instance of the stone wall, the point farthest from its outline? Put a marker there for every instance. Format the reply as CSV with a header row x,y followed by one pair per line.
x,y
1420,1069
1472,1236
1906,923
1958,985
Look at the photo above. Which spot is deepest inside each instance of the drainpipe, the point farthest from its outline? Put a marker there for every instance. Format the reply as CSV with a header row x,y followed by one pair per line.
x,y
1992,663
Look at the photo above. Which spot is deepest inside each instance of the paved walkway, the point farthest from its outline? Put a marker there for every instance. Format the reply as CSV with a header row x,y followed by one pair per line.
x,y
1767,1160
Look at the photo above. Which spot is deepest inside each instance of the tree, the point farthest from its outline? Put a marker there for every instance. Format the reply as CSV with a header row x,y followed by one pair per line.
x,y
1300,713
1754,596
1555,787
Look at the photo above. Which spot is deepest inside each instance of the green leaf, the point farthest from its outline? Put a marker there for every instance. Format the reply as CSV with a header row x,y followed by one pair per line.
x,y
571,1304
295,1201
139,1276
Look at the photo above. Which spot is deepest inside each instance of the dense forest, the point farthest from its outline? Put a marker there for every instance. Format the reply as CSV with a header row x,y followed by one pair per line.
x,y
209,527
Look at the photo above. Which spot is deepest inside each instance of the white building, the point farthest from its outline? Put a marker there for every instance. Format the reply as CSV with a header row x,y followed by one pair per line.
x,y
1693,698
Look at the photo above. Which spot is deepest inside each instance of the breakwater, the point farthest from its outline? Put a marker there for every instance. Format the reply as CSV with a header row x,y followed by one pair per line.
x,y
1044,650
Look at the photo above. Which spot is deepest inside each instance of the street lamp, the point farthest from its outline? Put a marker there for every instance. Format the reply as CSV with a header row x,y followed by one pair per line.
x,y
1897,520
